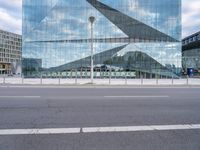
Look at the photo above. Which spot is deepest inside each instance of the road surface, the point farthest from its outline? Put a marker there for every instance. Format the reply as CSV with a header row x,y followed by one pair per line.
x,y
99,118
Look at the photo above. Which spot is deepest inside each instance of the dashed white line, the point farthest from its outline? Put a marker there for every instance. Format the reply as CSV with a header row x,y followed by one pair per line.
x,y
117,129
141,128
99,129
139,96
20,96
39,131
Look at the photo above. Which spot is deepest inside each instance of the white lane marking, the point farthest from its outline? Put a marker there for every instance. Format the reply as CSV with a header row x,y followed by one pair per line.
x,y
141,128
139,96
98,129
117,129
196,126
172,127
39,131
20,96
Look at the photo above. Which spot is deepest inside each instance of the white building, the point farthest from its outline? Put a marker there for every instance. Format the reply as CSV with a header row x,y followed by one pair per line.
x,y
10,53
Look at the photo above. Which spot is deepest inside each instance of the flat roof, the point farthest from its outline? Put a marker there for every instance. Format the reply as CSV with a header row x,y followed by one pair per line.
x,y
10,32
192,35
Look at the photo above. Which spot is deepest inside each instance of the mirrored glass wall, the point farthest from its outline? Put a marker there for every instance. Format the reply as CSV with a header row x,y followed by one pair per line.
x,y
141,37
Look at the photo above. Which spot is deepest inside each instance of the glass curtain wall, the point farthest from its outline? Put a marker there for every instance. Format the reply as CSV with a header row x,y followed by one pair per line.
x,y
138,36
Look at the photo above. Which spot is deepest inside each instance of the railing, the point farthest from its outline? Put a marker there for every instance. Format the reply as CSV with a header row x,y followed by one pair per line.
x,y
106,81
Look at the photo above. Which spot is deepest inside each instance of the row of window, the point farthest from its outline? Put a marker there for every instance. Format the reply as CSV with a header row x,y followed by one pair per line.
x,y
3,50
10,51
10,43
8,60
5,72
7,47
9,35
10,38
5,60
10,56
191,39
3,66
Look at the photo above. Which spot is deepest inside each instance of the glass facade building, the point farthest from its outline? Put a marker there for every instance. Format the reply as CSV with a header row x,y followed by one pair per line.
x,y
191,53
141,36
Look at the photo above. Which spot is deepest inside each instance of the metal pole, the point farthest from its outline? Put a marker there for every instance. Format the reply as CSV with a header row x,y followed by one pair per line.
x,y
92,19
76,78
59,79
41,79
125,79
4,79
92,54
22,79
156,79
81,72
141,79
110,76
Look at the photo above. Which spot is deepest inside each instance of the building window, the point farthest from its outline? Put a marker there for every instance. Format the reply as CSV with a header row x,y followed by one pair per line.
x,y
198,37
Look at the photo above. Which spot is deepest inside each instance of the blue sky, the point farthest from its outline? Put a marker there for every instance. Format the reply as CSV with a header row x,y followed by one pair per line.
x,y
10,16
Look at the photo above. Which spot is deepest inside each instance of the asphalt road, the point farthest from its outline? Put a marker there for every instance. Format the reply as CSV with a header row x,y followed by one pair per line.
x,y
43,108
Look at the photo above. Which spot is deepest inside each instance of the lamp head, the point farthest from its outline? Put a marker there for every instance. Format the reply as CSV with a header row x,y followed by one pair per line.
x,y
91,19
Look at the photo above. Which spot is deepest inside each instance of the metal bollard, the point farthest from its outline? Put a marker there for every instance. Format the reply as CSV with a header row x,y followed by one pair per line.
x,y
4,79
156,80
187,80
125,80
172,80
76,82
142,80
22,79
59,80
110,77
41,79
76,78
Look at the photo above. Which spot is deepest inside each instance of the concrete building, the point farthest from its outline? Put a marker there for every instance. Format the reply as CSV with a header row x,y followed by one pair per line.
x,y
191,52
138,36
10,53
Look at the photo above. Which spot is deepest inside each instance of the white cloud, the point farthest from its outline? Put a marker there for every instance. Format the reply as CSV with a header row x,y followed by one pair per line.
x,y
10,15
191,19
14,3
11,10
134,6
10,23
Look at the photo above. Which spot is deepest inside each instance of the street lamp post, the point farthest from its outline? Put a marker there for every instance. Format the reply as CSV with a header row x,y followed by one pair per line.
x,y
92,19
